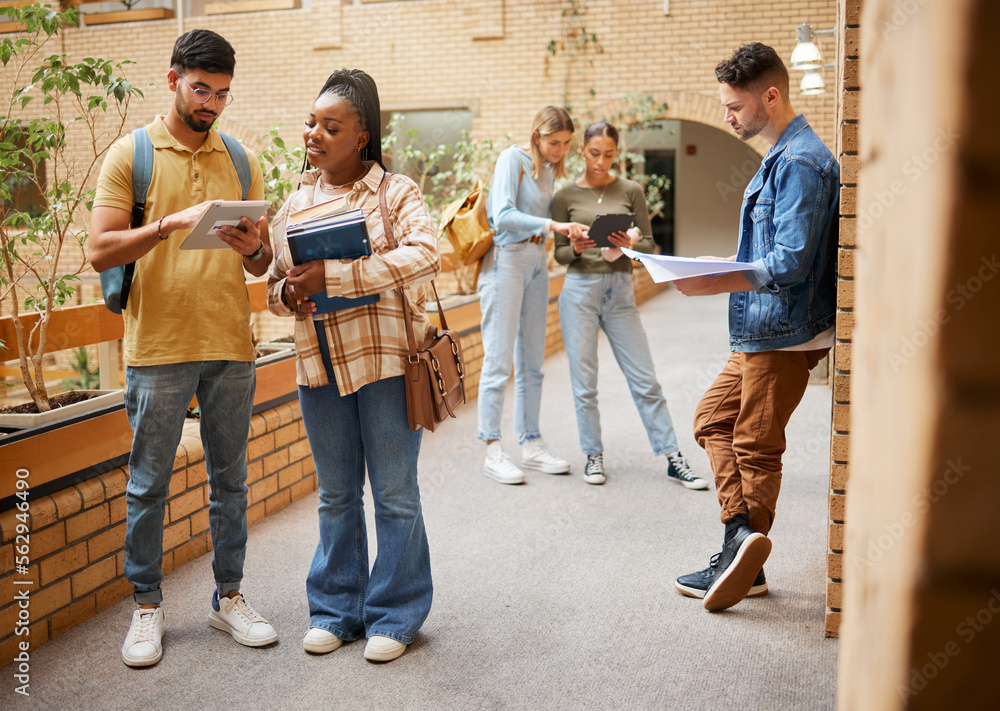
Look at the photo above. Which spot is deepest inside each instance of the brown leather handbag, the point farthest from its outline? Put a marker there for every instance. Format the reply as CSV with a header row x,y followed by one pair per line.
x,y
435,372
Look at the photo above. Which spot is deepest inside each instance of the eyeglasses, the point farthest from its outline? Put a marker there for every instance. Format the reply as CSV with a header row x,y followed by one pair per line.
x,y
202,96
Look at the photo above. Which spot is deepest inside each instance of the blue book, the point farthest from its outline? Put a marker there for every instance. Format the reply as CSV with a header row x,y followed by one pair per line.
x,y
342,236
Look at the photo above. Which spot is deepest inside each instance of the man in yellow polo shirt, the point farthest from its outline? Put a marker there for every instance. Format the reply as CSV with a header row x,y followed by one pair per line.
x,y
187,333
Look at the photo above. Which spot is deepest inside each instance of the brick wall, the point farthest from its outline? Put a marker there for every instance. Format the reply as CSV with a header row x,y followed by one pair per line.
x,y
493,61
849,87
77,534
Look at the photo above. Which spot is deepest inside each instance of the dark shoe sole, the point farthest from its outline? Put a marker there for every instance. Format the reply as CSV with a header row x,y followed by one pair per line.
x,y
734,584
755,591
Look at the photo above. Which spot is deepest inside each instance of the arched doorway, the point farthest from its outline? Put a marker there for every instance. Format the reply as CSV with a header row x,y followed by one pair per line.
x,y
708,166
708,171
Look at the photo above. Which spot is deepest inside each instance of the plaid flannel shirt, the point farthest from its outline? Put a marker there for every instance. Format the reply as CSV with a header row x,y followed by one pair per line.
x,y
367,343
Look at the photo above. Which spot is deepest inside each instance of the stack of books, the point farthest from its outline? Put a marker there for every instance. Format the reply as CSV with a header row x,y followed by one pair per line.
x,y
332,232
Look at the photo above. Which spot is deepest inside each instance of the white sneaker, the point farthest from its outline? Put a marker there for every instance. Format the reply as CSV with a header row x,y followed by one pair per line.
x,y
235,616
143,644
320,641
535,455
383,649
500,467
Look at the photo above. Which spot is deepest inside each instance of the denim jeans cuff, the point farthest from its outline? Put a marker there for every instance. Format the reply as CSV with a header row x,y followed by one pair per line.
x,y
404,638
486,437
528,436
339,633
148,597
226,588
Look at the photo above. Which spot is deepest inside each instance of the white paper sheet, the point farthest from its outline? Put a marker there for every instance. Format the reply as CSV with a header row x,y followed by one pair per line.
x,y
663,268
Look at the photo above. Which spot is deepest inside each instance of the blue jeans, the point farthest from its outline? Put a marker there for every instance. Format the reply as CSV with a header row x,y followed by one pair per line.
x,y
589,302
367,428
514,297
156,402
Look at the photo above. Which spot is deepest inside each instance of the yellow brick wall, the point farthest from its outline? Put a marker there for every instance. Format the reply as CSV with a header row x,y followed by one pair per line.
x,y
485,55
849,87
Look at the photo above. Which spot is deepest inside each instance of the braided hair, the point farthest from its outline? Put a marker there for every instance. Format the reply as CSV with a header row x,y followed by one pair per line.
x,y
359,90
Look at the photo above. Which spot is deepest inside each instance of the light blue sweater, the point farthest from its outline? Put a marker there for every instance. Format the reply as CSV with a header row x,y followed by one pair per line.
x,y
518,212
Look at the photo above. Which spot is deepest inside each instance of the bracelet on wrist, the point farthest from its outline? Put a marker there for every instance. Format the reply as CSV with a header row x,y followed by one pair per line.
x,y
257,254
159,229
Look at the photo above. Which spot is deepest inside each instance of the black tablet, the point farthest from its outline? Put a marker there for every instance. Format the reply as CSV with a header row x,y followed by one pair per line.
x,y
604,225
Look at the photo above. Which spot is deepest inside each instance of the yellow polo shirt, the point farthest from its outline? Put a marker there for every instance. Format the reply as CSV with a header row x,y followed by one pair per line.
x,y
184,305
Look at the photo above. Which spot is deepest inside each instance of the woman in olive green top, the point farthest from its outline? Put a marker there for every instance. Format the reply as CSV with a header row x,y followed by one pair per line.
x,y
598,294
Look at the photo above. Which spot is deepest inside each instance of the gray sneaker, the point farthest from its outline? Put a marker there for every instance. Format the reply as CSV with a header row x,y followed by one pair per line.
x,y
679,471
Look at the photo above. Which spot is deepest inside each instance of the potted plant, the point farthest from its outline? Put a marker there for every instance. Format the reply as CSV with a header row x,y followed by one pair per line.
x,y
48,102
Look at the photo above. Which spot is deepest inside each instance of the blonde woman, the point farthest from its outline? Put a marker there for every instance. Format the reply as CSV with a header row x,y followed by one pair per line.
x,y
514,293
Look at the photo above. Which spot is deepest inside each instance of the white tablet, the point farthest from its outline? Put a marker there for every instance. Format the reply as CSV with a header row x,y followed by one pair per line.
x,y
219,214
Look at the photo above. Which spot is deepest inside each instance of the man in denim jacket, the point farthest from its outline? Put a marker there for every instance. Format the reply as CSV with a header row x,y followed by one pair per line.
x,y
781,318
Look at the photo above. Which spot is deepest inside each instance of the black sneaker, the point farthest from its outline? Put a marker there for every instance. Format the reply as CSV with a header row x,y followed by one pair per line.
x,y
739,563
679,471
697,584
593,473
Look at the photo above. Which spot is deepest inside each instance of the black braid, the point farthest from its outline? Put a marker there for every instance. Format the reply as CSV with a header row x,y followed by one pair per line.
x,y
359,90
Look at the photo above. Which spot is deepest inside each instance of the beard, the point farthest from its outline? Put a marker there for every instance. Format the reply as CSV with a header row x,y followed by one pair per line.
x,y
756,124
194,123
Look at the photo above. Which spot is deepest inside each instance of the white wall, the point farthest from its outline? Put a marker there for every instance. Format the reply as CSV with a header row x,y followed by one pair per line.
x,y
710,189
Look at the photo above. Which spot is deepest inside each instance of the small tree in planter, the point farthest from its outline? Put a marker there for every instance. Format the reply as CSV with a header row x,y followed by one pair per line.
x,y
442,173
93,97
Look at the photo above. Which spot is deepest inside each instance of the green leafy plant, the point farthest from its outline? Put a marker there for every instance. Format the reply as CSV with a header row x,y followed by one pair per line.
x,y
574,43
281,164
637,114
443,173
86,379
49,98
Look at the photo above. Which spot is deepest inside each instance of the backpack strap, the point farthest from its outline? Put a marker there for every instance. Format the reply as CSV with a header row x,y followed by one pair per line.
x,y
142,173
240,161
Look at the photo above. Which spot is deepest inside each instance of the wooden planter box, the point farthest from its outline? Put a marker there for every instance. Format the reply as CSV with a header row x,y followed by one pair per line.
x,y
14,26
225,8
107,18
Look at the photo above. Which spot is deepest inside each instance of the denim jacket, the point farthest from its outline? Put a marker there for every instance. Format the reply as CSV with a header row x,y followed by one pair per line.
x,y
788,230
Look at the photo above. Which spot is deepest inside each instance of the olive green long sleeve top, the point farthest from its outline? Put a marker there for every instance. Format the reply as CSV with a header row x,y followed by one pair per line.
x,y
579,204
